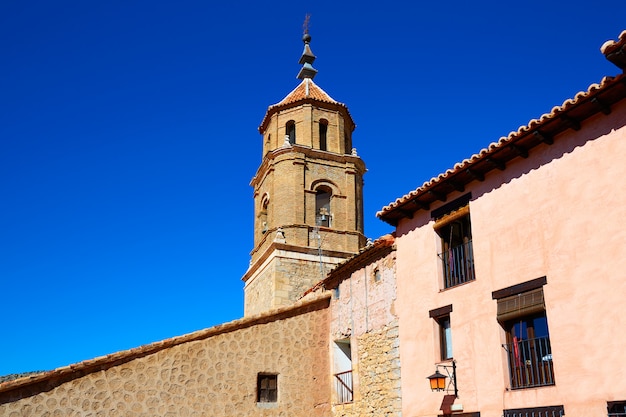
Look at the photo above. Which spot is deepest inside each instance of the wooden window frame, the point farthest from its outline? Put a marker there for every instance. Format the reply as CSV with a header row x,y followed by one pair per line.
x,y
442,316
267,388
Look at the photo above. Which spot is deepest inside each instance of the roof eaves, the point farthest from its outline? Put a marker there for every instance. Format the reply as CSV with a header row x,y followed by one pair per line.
x,y
557,121
377,248
615,51
280,106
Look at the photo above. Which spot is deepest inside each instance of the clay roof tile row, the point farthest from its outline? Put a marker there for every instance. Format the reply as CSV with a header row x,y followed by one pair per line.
x,y
306,90
373,249
484,153
614,51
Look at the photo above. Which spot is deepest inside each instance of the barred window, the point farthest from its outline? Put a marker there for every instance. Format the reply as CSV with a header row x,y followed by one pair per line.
x,y
550,411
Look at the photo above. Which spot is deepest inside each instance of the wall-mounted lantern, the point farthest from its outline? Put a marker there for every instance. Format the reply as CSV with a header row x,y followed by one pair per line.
x,y
438,380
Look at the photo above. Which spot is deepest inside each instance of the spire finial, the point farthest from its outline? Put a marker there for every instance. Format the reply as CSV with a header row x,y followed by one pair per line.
x,y
307,58
305,25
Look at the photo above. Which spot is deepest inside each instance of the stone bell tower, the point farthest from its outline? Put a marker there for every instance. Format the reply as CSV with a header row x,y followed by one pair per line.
x,y
308,194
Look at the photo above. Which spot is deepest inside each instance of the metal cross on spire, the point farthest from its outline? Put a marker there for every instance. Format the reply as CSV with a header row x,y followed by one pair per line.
x,y
307,58
305,25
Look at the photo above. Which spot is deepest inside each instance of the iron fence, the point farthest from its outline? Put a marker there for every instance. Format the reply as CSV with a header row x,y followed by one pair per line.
x,y
530,363
458,265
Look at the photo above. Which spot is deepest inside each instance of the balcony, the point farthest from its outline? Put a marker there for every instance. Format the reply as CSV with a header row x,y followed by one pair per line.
x,y
343,385
458,265
530,363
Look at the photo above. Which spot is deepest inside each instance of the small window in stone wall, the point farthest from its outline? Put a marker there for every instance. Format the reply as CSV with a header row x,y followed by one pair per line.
x,y
377,275
267,388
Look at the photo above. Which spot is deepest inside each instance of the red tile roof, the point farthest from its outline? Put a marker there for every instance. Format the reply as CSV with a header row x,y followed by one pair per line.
x,y
374,250
615,51
598,98
306,91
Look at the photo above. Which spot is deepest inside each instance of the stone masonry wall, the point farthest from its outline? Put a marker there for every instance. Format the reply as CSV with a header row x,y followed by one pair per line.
x,y
283,280
379,388
364,313
215,376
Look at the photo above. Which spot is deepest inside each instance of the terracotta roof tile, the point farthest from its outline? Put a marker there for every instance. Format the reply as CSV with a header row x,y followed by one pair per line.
x,y
615,51
306,89
379,247
557,113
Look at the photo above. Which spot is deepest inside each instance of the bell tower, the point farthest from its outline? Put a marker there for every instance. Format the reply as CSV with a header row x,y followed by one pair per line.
x,y
308,194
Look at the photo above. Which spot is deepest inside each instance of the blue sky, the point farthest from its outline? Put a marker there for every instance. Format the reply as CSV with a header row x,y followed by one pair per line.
x,y
128,138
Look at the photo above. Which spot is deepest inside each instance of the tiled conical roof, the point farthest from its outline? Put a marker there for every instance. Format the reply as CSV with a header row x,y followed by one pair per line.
x,y
306,89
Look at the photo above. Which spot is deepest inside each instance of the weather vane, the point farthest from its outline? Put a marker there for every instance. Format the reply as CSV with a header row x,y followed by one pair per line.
x,y
305,25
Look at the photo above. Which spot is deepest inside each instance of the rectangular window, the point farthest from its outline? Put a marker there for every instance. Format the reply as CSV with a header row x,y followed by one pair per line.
x,y
452,224
616,408
267,388
342,355
523,317
442,317
550,411
445,337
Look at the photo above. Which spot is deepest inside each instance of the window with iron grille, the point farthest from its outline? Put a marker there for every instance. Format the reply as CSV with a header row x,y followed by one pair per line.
x,y
342,356
616,408
550,411
267,388
452,224
522,314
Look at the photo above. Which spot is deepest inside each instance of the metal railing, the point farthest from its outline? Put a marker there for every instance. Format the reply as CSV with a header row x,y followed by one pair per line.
x,y
458,265
343,384
551,411
530,363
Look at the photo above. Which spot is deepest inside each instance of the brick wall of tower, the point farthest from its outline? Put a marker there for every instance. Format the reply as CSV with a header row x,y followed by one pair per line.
x,y
288,181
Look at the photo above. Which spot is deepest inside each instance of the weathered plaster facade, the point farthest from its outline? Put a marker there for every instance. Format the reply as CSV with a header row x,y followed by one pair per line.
x,y
363,320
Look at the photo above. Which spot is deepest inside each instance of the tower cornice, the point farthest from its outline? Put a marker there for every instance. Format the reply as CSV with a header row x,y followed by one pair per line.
x,y
305,153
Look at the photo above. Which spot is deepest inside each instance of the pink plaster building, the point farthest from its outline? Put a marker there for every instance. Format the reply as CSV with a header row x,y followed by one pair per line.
x,y
509,266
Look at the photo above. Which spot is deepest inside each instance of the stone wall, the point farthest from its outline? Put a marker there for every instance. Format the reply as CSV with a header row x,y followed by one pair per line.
x,y
208,373
363,312
379,387
379,372
283,278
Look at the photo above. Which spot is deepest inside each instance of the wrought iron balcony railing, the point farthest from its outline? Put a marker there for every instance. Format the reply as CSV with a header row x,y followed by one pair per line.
x,y
530,363
458,265
343,384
